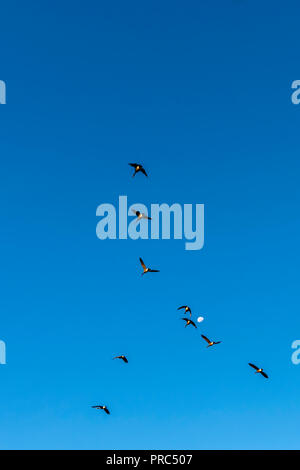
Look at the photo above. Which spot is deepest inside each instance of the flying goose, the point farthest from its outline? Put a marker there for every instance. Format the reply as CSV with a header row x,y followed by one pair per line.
x,y
147,270
102,407
258,370
140,215
210,343
138,167
189,322
124,358
187,309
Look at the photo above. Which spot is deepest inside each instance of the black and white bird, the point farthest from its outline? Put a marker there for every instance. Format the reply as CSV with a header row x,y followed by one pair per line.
x,y
124,358
258,370
147,270
102,407
137,168
210,343
189,322
186,308
140,215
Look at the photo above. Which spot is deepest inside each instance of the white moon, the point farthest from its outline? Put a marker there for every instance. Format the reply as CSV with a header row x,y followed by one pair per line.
x,y
200,319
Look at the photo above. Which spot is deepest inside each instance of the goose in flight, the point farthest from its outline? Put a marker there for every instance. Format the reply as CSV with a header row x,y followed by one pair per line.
x,y
147,270
258,370
210,343
189,322
124,358
140,215
137,167
102,407
187,309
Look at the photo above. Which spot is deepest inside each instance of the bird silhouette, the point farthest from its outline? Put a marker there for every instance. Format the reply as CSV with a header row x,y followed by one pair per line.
x,y
258,370
124,358
189,322
147,270
102,407
210,343
137,168
187,309
140,215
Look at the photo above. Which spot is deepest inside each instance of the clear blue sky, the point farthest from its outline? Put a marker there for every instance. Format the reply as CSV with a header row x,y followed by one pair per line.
x,y
199,92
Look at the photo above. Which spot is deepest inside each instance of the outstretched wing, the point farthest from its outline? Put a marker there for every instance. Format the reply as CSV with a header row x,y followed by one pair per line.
x,y
252,365
125,359
264,374
185,319
106,411
133,164
142,263
143,171
192,323
206,339
153,270
218,342
183,306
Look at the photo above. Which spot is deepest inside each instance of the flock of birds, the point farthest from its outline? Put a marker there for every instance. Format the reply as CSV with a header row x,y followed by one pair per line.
x,y
188,321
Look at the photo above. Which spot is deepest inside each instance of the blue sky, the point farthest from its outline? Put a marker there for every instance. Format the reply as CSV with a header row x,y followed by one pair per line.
x,y
199,92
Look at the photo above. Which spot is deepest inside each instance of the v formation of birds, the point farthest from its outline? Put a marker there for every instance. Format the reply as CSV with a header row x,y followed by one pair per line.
x,y
188,320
